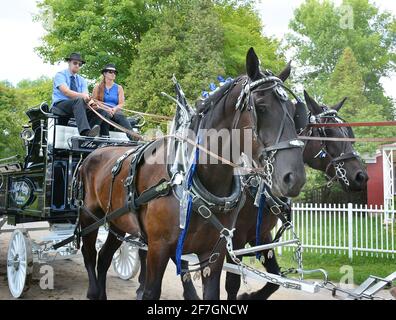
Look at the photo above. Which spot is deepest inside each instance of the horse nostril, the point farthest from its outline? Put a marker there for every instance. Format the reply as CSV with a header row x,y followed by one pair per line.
x,y
361,177
288,179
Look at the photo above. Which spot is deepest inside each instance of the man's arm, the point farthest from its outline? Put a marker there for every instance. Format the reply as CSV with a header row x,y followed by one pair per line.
x,y
73,94
61,84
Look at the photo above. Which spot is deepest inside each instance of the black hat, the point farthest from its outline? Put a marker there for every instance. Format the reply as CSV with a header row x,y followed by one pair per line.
x,y
110,66
75,56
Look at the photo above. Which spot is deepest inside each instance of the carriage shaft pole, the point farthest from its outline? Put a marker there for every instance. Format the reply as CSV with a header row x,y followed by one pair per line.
x,y
241,252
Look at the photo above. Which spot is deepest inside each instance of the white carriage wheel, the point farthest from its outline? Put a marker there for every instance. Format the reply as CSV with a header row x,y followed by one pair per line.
x,y
126,261
19,263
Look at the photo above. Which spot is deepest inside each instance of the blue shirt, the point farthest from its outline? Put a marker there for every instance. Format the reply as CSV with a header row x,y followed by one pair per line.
x,y
63,77
110,96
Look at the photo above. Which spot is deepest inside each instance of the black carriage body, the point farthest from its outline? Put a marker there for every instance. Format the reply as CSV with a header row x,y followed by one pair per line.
x,y
40,188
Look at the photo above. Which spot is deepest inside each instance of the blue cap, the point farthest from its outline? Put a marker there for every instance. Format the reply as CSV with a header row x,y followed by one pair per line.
x,y
205,94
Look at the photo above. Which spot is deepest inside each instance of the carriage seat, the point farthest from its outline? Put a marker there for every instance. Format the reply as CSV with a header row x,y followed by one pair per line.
x,y
66,128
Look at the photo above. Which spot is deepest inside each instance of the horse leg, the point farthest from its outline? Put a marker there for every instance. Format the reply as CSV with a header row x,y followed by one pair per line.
x,y
142,274
189,292
272,266
211,283
157,260
106,254
233,283
89,253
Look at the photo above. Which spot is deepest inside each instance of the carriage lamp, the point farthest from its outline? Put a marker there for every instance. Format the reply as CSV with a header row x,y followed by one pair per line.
x,y
27,134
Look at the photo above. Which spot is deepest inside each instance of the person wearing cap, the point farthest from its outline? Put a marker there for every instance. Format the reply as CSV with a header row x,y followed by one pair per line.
x,y
110,97
70,98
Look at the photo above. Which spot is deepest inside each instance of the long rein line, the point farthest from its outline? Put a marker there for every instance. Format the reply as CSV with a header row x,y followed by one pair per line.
x,y
175,136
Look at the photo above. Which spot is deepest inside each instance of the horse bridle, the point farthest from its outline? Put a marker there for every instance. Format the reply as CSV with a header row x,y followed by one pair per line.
x,y
336,162
246,102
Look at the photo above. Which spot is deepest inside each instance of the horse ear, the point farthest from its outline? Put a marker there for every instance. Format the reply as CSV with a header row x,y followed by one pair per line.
x,y
339,105
312,104
252,64
285,74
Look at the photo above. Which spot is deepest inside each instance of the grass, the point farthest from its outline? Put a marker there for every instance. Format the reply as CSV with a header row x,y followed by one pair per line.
x,y
362,266
367,232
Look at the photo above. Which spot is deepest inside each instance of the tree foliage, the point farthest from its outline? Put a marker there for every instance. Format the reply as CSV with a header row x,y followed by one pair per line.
x,y
347,81
197,42
11,120
242,27
102,31
322,31
14,102
185,42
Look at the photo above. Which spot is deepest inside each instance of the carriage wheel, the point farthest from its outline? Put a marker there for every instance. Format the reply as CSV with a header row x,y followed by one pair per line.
x,y
126,261
19,263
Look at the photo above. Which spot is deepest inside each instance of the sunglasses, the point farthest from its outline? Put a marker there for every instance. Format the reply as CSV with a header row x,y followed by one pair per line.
x,y
111,71
77,63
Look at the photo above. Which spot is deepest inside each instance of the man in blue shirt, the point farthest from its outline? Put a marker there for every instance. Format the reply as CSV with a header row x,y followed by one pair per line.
x,y
70,98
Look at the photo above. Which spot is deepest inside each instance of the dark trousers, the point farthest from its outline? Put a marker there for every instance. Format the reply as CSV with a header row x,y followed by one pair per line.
x,y
120,119
85,118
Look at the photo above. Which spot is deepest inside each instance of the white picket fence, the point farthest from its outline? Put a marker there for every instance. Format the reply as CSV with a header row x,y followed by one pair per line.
x,y
344,229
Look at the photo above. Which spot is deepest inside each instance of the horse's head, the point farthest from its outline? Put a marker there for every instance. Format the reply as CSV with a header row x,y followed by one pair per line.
x,y
271,114
337,159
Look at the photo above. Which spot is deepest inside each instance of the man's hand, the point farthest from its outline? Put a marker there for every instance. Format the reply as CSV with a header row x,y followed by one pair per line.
x,y
92,104
86,97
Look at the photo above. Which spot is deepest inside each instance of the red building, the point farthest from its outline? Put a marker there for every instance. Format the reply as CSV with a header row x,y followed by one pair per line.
x,y
381,170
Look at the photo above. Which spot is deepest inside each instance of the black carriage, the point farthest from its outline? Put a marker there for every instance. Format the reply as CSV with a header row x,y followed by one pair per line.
x,y
39,187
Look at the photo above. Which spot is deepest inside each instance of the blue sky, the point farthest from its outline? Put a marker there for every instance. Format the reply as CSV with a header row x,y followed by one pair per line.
x,y
19,35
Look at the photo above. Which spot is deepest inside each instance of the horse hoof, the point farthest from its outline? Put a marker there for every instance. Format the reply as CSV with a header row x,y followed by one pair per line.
x,y
92,296
244,296
139,295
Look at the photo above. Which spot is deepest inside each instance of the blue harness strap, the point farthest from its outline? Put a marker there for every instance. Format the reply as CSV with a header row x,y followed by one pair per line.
x,y
259,222
182,235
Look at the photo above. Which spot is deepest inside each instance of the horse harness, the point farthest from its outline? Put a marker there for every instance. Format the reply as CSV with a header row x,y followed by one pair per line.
x,y
336,162
246,102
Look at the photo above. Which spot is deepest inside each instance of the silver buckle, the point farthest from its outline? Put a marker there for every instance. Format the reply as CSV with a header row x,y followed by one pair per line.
x,y
207,214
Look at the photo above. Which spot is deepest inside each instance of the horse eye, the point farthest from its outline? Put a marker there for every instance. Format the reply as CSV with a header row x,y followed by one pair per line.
x,y
261,106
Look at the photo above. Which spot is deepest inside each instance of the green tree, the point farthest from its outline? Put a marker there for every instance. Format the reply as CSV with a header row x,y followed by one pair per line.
x,y
34,92
102,31
185,41
196,41
11,120
321,32
242,28
347,81
14,102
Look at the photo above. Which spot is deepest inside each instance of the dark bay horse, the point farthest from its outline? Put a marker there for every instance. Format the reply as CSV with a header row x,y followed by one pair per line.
x,y
355,180
274,139
317,155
